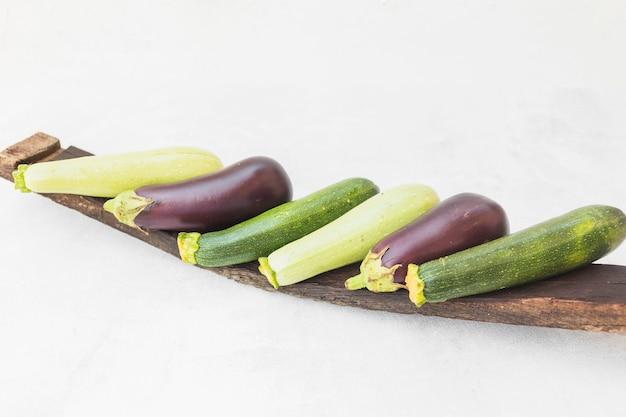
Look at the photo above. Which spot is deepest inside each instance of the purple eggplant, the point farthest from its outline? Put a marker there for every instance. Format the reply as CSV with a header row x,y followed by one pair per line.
x,y
206,203
457,223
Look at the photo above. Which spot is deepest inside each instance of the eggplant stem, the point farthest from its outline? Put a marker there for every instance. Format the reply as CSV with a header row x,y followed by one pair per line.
x,y
126,206
356,282
374,275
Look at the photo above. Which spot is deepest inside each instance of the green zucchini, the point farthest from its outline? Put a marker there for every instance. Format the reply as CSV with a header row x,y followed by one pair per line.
x,y
109,175
558,245
260,235
349,238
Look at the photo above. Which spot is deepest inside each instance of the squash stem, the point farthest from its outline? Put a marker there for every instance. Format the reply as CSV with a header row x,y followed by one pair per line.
x,y
188,246
415,285
266,269
126,206
18,177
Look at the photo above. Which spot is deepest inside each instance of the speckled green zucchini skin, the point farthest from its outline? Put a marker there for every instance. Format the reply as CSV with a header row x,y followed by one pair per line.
x,y
261,235
558,245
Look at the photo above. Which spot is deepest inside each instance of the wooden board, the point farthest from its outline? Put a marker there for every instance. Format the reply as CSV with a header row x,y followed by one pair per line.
x,y
591,298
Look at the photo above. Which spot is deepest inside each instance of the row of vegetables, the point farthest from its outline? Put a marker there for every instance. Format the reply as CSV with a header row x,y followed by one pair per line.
x,y
404,237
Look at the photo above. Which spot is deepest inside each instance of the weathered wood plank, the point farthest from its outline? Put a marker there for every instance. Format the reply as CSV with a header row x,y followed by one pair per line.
x,y
35,148
591,298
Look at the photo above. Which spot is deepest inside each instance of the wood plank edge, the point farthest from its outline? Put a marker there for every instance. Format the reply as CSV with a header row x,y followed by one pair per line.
x,y
36,148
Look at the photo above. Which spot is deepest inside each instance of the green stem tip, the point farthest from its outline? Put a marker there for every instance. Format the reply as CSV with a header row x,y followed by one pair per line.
x,y
18,178
188,246
356,282
266,269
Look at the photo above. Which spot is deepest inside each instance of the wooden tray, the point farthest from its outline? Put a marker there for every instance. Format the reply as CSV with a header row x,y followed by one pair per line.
x,y
591,298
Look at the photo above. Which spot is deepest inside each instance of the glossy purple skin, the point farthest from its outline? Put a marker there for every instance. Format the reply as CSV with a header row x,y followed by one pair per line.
x,y
218,200
457,223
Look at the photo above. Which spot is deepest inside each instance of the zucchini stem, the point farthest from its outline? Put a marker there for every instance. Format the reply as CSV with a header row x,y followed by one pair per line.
x,y
270,274
188,246
18,177
415,285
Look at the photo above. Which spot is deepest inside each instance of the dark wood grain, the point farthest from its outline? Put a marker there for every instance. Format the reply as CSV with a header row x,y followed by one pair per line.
x,y
591,298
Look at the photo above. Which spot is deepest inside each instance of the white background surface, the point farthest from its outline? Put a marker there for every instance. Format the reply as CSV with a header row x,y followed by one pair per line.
x,y
523,101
